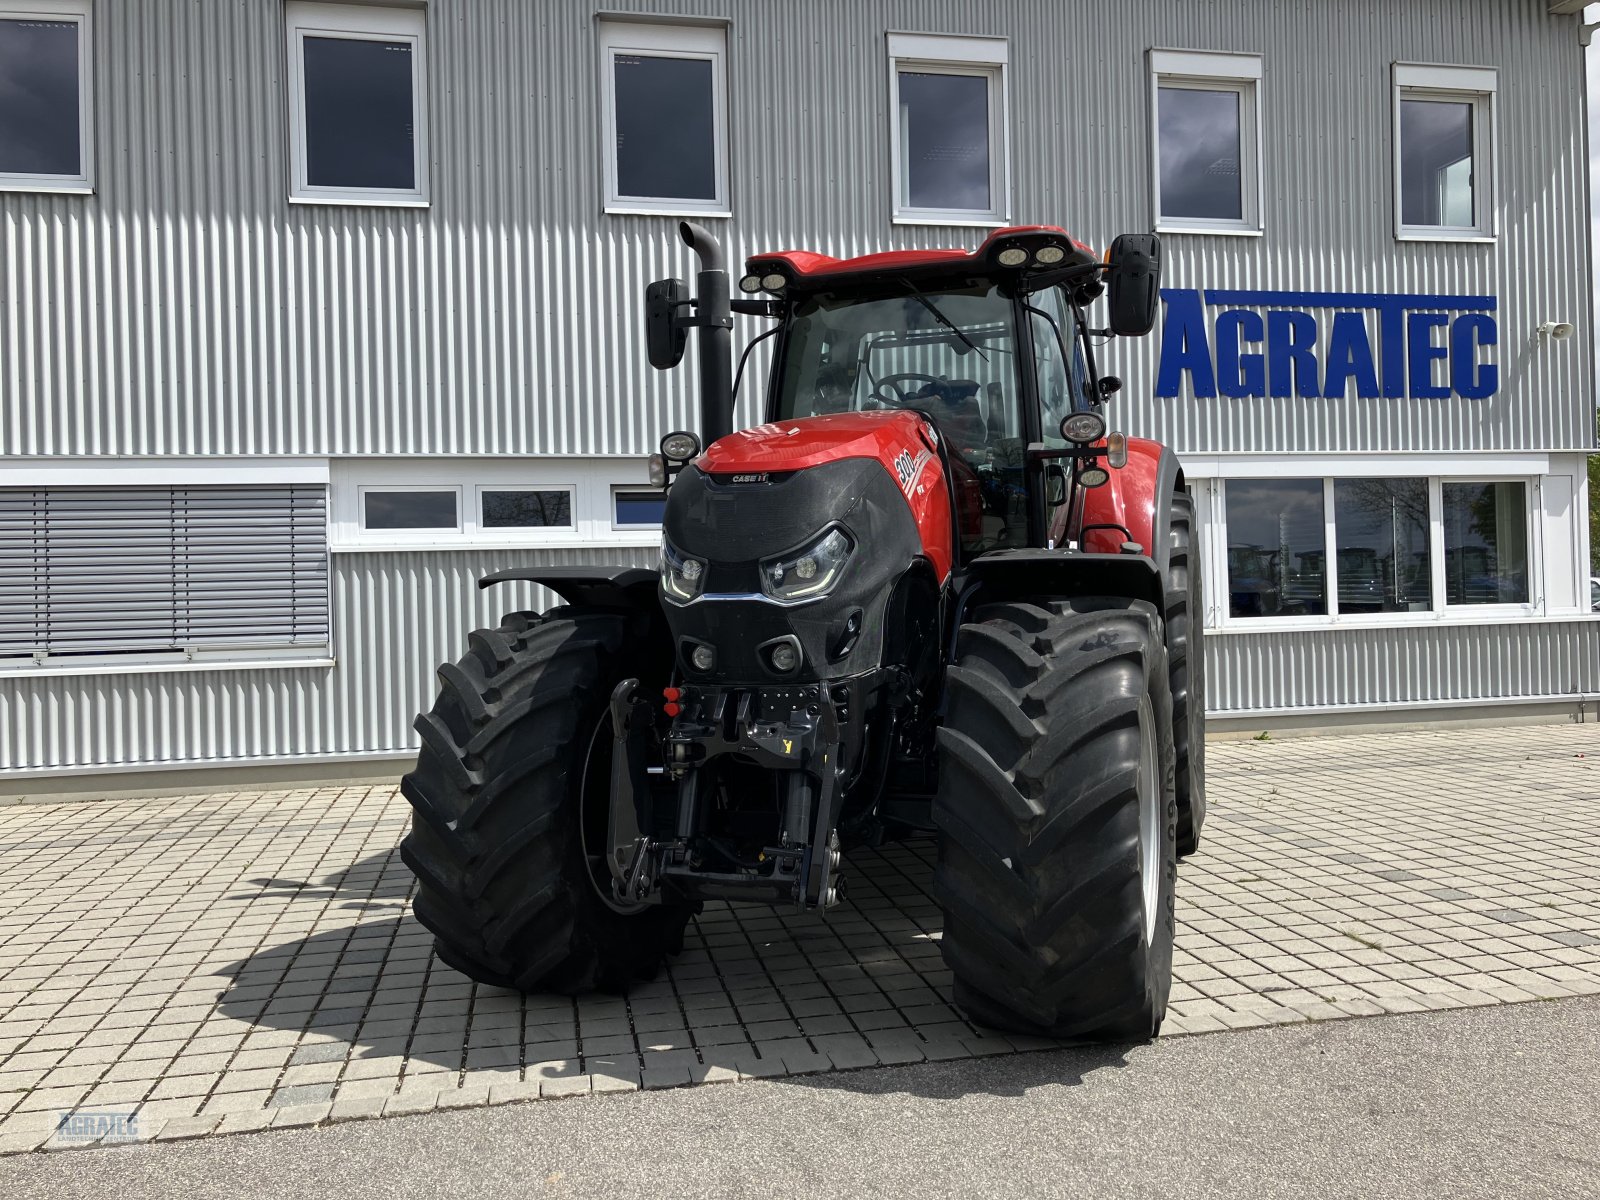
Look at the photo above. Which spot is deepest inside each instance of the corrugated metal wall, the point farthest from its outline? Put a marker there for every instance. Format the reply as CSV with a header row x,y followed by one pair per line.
x,y
1521,660
396,617
187,308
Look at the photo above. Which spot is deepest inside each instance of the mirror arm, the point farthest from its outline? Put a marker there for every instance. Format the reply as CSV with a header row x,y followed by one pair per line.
x,y
757,308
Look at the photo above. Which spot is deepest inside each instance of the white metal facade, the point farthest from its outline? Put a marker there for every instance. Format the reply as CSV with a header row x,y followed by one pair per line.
x,y
186,310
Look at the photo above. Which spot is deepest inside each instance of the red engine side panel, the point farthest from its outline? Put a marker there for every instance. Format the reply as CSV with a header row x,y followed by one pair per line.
x,y
1129,501
899,440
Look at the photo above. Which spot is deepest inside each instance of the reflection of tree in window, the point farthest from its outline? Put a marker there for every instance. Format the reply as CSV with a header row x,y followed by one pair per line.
x,y
527,510
1381,528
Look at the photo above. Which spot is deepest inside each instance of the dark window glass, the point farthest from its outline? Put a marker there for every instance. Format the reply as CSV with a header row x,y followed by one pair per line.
x,y
1436,163
1277,548
1485,543
1200,154
358,114
410,510
1381,526
527,510
640,508
944,141
666,127
39,98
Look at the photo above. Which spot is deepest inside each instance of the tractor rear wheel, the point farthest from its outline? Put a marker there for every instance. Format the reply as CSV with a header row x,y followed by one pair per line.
x,y
1057,819
510,804
1186,668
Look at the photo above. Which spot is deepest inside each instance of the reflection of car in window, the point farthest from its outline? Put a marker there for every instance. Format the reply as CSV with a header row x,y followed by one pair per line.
x,y
1360,580
1252,590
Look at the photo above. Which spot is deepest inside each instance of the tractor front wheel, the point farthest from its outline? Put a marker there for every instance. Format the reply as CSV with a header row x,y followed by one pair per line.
x,y
1057,819
510,802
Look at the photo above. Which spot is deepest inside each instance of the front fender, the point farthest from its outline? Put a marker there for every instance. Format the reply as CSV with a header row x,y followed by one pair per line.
x,y
1138,499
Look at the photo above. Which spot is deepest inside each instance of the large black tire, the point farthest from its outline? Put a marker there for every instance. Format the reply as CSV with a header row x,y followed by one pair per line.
x,y
1186,668
1058,729
515,756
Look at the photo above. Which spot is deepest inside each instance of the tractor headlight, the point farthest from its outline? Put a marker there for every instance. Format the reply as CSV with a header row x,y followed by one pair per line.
x,y
682,577
810,573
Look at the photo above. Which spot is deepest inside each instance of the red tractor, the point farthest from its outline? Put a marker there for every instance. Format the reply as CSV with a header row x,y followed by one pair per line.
x,y
931,594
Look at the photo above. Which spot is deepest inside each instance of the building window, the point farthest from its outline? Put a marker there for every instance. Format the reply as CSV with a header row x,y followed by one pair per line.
x,y
1485,543
162,574
431,508
1398,546
1381,531
665,106
638,509
1444,142
46,96
358,100
1207,139
1277,548
541,508
947,99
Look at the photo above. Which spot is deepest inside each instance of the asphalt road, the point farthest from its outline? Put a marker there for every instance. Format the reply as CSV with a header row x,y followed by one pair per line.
x,y
1493,1102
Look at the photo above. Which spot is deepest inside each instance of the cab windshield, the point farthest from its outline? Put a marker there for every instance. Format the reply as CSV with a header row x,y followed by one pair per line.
x,y
952,355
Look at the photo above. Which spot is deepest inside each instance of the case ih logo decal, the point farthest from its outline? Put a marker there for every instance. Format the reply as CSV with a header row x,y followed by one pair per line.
x,y
1371,345
907,468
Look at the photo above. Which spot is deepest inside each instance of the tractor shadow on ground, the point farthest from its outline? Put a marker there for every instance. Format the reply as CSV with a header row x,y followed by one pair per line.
x,y
374,990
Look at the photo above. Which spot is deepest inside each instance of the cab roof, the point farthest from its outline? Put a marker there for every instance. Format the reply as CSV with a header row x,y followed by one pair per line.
x,y
807,269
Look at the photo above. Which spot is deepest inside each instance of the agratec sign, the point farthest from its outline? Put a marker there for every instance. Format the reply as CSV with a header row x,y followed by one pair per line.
x,y
1326,344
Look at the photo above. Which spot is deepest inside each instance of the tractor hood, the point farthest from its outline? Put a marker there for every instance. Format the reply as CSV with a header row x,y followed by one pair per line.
x,y
765,495
898,442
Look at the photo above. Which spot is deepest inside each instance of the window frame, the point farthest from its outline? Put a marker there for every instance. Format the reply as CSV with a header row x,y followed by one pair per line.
x,y
1477,86
1215,529
355,22
950,54
82,13
1214,71
660,39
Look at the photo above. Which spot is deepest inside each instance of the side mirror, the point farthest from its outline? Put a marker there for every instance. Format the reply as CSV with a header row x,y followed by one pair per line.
x,y
1134,283
665,334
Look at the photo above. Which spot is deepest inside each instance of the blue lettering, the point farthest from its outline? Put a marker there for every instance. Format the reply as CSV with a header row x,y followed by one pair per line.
x,y
1240,374
1185,347
1392,336
1471,381
1291,337
1424,353
1350,354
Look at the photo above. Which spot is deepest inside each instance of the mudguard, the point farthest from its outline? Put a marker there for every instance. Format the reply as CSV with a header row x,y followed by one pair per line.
x,y
607,587
1011,574
1136,505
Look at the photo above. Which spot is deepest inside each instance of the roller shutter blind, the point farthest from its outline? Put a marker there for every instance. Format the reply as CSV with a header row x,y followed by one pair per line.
x,y
103,570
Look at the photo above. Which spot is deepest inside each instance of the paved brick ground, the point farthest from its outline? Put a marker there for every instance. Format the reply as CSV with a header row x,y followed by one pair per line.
x,y
234,961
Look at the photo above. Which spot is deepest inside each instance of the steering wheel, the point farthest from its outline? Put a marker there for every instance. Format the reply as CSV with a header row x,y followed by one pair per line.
x,y
901,396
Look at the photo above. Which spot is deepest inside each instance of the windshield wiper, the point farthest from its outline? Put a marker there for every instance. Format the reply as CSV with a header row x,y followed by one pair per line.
x,y
946,322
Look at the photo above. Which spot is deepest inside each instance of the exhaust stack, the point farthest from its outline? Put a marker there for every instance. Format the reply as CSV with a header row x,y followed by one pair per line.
x,y
714,318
